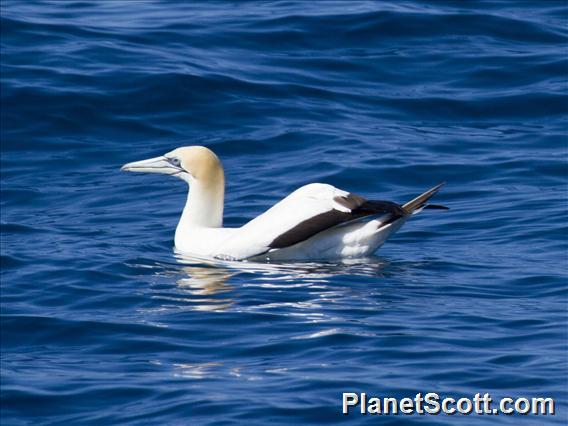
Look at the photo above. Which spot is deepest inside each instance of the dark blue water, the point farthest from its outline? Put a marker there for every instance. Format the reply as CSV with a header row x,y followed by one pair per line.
x,y
102,324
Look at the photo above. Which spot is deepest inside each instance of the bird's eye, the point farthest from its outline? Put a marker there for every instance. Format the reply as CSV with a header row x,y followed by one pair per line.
x,y
175,161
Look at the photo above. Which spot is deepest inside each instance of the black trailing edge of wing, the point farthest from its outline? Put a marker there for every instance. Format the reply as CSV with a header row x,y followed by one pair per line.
x,y
359,206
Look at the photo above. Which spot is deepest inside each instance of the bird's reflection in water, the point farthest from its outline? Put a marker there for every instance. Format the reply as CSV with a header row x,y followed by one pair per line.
x,y
203,281
204,284
210,269
207,281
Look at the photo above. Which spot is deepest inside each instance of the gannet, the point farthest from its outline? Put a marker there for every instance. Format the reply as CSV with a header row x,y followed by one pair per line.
x,y
315,222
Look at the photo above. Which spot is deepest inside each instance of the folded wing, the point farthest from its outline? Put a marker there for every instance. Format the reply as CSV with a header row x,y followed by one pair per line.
x,y
306,212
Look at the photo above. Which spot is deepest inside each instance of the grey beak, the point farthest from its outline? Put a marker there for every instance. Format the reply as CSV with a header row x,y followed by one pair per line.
x,y
152,165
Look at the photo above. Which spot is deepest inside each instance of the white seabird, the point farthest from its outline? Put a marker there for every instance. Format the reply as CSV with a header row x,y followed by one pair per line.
x,y
315,222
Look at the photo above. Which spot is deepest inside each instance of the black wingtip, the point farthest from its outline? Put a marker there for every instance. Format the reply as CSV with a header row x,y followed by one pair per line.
x,y
436,207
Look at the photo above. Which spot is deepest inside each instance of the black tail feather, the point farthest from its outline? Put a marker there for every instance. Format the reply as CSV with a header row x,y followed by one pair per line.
x,y
420,201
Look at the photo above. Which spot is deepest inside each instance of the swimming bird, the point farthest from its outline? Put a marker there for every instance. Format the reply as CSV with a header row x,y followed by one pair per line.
x,y
315,222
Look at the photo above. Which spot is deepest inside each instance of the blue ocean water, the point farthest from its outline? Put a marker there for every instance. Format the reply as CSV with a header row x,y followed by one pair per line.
x,y
101,323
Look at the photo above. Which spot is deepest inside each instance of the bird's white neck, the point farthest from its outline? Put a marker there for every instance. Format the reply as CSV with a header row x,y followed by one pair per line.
x,y
204,206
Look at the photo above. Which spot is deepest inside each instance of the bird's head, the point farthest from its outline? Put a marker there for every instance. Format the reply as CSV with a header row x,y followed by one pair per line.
x,y
190,163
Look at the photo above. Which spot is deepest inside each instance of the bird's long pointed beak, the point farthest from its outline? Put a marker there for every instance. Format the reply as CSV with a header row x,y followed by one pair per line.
x,y
152,165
